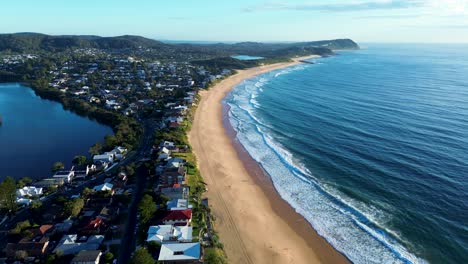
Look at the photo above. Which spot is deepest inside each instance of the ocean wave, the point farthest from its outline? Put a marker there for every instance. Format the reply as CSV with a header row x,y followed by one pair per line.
x,y
354,228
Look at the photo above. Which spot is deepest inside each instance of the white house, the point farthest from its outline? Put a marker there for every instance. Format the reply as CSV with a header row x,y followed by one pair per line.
x,y
180,252
169,233
164,154
66,175
72,244
167,144
29,191
106,187
104,158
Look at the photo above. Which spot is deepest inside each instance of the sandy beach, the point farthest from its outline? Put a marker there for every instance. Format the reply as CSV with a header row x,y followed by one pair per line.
x,y
254,223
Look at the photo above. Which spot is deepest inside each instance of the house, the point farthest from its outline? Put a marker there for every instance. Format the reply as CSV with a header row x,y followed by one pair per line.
x,y
173,175
178,204
106,187
87,257
167,144
24,194
176,191
29,191
83,171
180,253
174,163
66,175
178,217
168,233
164,154
71,244
64,227
93,226
33,247
107,158
49,182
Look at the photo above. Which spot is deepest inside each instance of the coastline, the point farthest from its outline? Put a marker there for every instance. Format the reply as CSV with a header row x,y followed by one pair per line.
x,y
238,186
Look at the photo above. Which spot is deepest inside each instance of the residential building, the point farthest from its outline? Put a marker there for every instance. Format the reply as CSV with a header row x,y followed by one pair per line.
x,y
71,244
178,204
87,257
66,175
178,217
168,233
180,253
175,191
105,187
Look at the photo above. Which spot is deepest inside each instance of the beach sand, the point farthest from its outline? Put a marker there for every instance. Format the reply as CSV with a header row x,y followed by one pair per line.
x,y
254,223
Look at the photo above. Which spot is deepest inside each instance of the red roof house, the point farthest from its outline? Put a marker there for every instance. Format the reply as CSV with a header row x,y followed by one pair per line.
x,y
179,217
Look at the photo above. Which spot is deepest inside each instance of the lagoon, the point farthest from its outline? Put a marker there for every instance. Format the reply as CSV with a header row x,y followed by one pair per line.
x,y
246,57
36,133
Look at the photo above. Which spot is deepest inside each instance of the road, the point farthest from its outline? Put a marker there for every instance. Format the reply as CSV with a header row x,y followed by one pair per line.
x,y
128,241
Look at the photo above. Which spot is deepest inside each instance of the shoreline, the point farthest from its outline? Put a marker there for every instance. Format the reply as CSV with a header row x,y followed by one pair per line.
x,y
237,186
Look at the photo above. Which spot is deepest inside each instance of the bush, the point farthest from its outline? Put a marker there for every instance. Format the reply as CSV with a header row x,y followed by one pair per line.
x,y
214,256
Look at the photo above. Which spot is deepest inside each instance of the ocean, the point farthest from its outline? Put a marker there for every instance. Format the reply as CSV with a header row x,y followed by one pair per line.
x,y
36,133
370,146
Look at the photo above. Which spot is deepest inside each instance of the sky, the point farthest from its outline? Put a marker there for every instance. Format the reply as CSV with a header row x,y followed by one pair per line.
x,y
244,20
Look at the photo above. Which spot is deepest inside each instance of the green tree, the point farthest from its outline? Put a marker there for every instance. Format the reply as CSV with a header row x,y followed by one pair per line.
x,y
214,256
36,204
86,192
50,259
110,141
80,160
142,256
95,149
73,207
20,226
8,194
58,166
108,257
147,208
25,181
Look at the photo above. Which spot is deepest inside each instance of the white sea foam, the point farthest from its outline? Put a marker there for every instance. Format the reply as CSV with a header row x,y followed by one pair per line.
x,y
352,227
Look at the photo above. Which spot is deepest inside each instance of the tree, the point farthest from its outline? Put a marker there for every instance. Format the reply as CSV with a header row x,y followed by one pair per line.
x,y
36,204
95,149
86,192
80,160
108,257
25,181
58,166
142,256
214,256
73,207
20,226
110,141
21,254
8,194
147,208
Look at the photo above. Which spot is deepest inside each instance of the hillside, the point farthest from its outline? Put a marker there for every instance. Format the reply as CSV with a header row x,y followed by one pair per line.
x,y
30,42
21,42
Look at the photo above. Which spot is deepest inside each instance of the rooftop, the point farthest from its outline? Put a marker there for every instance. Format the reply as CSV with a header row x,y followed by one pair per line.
x,y
179,251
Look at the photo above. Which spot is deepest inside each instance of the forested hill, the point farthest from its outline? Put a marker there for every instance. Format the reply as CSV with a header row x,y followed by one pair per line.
x,y
30,42
21,42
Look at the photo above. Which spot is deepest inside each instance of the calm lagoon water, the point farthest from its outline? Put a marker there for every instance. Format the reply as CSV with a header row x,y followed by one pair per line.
x,y
246,57
36,133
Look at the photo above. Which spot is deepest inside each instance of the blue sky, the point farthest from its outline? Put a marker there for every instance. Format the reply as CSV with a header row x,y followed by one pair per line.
x,y
242,20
